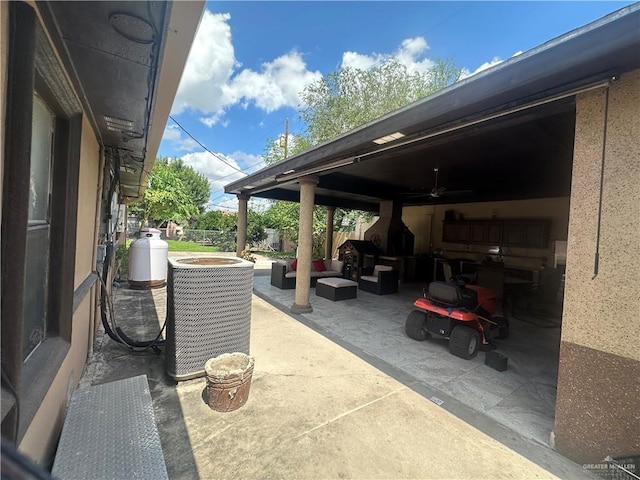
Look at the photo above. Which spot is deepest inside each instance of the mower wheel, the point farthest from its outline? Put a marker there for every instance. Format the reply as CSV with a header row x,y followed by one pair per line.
x,y
503,327
415,326
464,342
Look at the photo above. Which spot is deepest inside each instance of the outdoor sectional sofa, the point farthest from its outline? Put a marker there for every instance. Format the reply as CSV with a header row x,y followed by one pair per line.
x,y
283,275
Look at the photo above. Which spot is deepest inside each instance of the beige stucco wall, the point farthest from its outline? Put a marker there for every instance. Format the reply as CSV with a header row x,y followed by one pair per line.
x,y
419,220
41,437
88,185
603,313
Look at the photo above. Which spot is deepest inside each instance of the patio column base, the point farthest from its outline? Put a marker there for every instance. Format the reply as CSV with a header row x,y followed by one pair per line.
x,y
295,308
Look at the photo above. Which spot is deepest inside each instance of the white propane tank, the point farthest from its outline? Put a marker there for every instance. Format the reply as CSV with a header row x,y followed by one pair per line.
x,y
148,260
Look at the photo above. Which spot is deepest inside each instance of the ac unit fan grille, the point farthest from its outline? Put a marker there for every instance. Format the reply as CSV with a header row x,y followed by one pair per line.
x,y
208,314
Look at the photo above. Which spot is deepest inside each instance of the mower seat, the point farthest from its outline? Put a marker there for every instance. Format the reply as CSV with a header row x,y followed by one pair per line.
x,y
453,294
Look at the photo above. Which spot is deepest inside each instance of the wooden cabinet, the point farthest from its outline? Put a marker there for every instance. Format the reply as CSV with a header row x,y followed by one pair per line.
x,y
512,233
450,232
528,233
494,233
536,234
478,232
456,232
463,232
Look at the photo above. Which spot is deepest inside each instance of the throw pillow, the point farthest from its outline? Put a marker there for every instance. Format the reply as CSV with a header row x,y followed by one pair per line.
x,y
318,265
294,264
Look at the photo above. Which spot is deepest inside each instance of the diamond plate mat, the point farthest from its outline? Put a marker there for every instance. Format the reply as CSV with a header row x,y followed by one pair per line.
x,y
110,433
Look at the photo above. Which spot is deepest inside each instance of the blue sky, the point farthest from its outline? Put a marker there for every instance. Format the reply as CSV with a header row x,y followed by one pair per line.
x,y
250,60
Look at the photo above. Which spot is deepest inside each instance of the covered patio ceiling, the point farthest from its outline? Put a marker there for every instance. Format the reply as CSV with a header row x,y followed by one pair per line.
x,y
504,134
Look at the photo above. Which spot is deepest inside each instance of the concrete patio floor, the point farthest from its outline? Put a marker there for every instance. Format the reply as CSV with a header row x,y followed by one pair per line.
x,y
318,408
522,398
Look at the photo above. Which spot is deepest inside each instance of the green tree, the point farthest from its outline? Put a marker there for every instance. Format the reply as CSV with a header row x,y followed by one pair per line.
x,y
339,102
217,220
196,184
228,221
255,227
350,97
166,197
284,217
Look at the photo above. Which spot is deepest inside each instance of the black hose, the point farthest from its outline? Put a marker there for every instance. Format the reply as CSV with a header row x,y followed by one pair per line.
x,y
117,334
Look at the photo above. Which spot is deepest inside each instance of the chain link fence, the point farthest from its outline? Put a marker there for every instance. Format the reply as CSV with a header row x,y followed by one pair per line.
x,y
223,241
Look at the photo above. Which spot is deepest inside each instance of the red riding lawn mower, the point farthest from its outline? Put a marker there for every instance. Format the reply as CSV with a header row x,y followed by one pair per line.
x,y
463,314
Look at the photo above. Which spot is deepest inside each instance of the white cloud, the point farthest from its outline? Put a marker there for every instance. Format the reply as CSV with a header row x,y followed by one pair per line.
x,y
179,142
486,65
211,85
213,119
250,163
171,133
360,61
410,53
220,173
209,67
188,145
277,85
494,61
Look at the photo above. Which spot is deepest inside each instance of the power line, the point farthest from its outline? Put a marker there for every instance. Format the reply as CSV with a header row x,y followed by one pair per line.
x,y
199,143
222,206
242,171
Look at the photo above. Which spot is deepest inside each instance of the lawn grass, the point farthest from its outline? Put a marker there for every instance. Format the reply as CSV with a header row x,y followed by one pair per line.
x,y
177,246
275,255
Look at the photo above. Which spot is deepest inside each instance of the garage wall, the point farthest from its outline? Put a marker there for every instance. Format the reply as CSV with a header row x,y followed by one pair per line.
x,y
418,219
598,404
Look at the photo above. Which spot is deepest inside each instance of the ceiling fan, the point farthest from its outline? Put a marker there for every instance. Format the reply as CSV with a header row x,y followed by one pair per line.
x,y
437,192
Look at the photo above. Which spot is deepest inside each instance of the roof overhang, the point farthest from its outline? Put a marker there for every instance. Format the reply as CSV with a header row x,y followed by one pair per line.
x,y
125,60
504,133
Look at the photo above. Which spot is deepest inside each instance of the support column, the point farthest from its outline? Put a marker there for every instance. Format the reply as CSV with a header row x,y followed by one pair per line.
x,y
241,241
328,245
305,245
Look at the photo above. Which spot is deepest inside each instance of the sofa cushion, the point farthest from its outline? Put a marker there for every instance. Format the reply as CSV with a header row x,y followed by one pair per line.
x,y
369,278
294,265
381,268
318,265
329,273
335,265
286,264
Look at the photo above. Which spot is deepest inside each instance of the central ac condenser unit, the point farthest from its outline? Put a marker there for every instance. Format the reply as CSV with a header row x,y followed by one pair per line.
x,y
208,312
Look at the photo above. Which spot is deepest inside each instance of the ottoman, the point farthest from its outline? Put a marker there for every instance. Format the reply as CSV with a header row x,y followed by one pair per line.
x,y
335,288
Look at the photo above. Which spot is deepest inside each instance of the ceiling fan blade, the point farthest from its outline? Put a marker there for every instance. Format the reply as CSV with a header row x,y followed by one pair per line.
x,y
451,193
437,191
